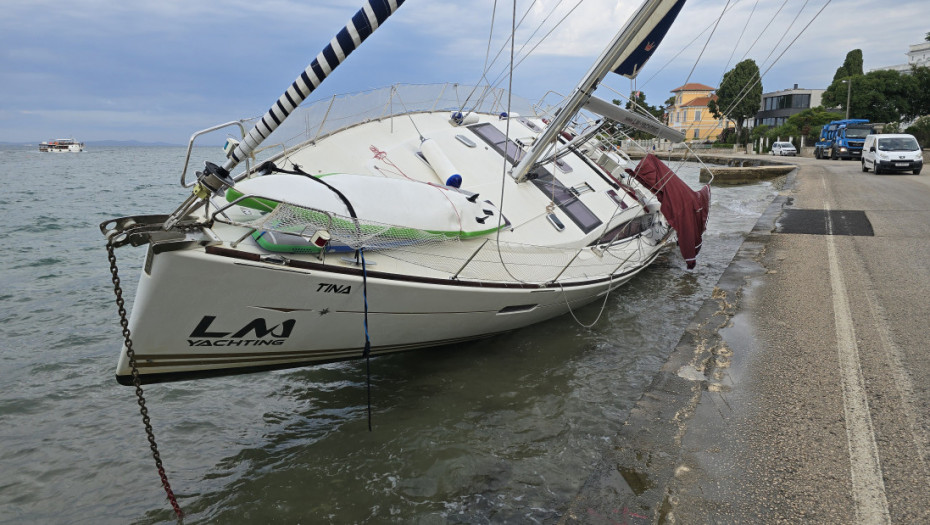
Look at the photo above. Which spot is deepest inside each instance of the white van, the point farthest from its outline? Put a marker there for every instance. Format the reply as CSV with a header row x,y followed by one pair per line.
x,y
892,152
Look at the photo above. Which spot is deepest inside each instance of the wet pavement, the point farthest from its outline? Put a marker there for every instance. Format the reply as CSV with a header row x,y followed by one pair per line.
x,y
800,392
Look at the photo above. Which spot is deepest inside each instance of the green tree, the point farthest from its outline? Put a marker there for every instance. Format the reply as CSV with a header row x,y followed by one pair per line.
x,y
880,96
851,67
835,94
883,96
738,95
921,131
919,96
760,131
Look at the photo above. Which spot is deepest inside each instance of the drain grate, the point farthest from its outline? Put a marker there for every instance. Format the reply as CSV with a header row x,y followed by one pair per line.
x,y
815,222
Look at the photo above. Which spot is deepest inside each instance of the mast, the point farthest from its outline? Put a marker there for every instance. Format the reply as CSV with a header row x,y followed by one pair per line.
x,y
625,55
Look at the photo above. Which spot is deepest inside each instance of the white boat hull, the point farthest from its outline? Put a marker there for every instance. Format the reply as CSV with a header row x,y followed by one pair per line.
x,y
62,146
73,148
264,276
200,313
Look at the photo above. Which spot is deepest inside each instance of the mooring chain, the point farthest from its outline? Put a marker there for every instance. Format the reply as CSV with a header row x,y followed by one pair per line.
x,y
137,381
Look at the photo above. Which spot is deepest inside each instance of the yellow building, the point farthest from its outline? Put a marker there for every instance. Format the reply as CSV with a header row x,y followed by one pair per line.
x,y
690,114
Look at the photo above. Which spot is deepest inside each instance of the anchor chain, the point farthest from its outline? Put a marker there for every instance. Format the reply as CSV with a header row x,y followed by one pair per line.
x,y
137,381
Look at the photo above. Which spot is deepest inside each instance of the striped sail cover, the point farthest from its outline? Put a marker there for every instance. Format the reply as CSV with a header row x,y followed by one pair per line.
x,y
364,23
632,61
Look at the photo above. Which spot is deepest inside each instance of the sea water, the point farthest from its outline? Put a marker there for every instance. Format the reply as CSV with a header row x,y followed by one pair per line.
x,y
502,430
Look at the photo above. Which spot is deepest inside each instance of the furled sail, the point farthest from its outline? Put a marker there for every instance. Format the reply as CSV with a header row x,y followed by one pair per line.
x,y
647,40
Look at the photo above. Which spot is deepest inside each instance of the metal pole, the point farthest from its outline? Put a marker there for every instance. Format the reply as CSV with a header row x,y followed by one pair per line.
x,y
325,116
469,259
848,92
566,266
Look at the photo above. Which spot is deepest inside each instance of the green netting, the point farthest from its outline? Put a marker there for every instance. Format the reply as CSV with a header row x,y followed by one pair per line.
x,y
290,228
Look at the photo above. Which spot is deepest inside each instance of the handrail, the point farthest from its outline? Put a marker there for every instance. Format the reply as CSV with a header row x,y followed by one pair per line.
x,y
190,147
316,128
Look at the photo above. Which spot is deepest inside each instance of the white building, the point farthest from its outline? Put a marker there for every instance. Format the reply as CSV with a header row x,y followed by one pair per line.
x,y
918,56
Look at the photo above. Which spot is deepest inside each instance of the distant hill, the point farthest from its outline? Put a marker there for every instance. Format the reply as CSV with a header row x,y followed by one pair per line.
x,y
125,143
107,143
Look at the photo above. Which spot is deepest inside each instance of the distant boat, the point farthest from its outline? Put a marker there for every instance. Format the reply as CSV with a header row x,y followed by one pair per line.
x,y
62,145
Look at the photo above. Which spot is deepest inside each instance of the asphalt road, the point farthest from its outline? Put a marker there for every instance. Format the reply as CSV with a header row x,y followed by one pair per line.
x,y
801,390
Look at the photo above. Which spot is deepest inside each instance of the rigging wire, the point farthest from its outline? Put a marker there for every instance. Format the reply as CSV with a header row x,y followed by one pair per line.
x,y
543,39
644,150
743,32
785,33
501,76
500,216
745,91
719,125
683,49
504,175
764,29
487,54
514,26
710,36
409,115
746,88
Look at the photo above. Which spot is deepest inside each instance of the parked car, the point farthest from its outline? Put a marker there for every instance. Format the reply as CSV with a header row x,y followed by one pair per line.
x,y
783,148
892,152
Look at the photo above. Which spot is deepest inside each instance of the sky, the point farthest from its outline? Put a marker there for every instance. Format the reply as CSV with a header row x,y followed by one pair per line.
x,y
157,71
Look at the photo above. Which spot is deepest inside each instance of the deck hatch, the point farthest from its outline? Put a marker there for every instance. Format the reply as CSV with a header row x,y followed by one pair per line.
x,y
573,208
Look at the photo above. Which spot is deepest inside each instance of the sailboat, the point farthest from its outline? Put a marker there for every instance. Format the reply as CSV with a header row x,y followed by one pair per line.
x,y
414,222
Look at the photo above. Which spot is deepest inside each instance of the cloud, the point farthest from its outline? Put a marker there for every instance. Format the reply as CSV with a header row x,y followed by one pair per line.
x,y
178,65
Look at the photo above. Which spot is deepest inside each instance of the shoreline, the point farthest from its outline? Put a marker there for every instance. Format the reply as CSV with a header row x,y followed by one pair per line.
x,y
748,420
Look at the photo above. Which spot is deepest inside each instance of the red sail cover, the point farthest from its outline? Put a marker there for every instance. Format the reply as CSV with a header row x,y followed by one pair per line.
x,y
685,209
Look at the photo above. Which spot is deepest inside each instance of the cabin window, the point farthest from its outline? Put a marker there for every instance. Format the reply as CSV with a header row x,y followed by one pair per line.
x,y
576,210
626,230
497,140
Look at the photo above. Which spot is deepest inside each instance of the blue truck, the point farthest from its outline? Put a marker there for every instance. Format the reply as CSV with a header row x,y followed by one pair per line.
x,y
843,139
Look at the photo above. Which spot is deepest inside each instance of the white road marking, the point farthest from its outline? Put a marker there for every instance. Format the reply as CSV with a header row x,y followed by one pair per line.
x,y
902,380
868,488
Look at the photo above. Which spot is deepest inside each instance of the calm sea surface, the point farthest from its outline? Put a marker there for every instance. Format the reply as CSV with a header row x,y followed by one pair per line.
x,y
505,429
